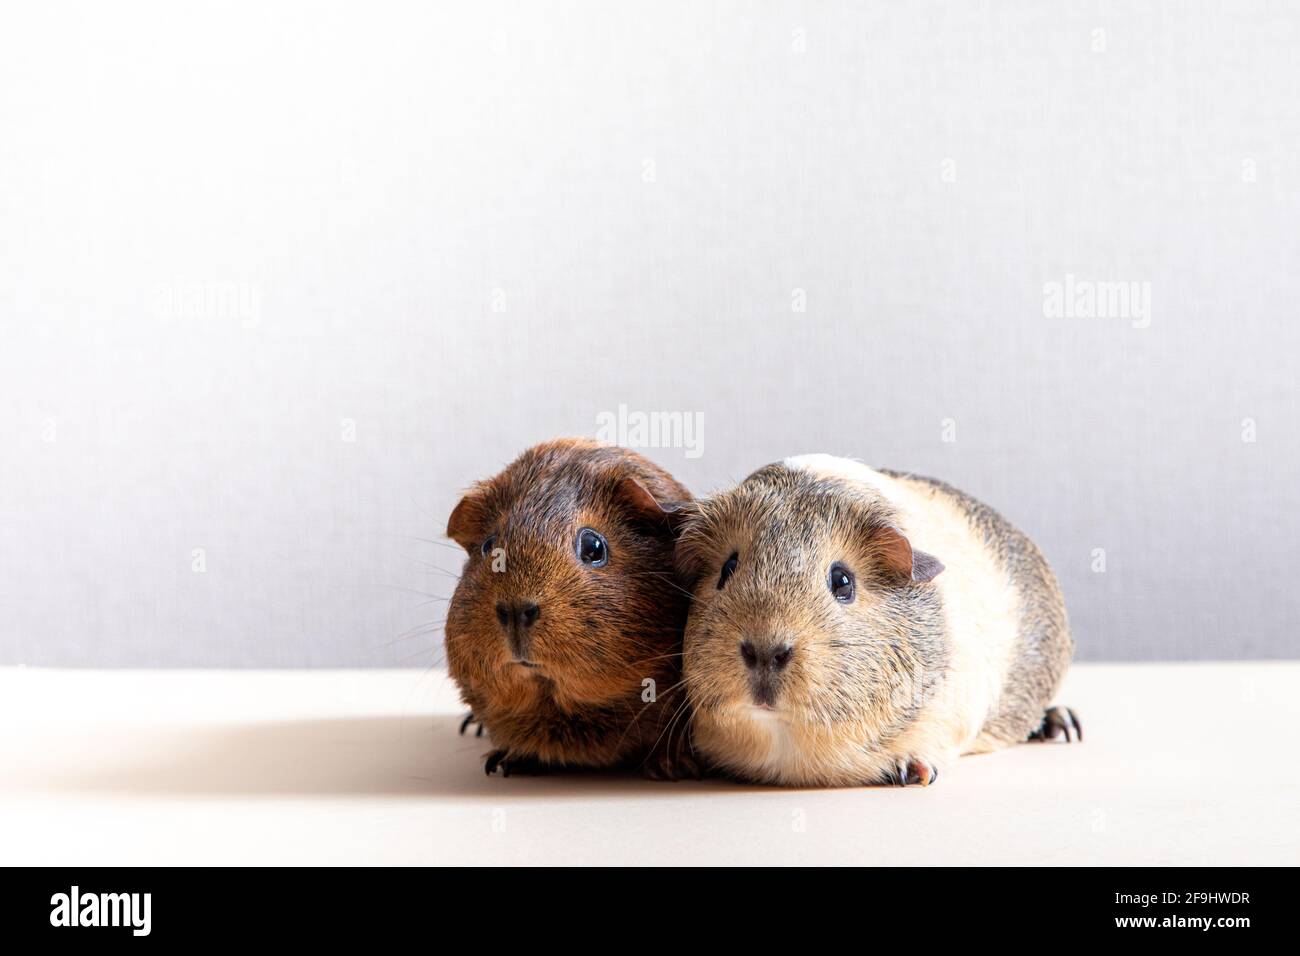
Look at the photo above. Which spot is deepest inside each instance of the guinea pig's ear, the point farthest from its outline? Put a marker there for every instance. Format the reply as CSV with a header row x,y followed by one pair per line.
x,y
896,554
644,504
694,552
465,526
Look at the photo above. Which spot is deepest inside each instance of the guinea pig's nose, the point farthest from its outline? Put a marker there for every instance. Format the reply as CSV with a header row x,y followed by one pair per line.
x,y
523,614
528,613
773,657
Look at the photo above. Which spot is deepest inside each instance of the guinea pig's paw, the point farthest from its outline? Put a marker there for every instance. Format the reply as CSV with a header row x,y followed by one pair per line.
x,y
661,765
471,719
914,770
512,763
1058,721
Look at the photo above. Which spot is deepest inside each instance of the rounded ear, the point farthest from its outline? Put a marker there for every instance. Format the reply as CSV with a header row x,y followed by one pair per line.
x,y
693,553
465,526
897,556
643,503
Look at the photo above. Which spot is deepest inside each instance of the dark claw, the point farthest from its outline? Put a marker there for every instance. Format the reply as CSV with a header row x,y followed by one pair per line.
x,y
1057,722
516,764
661,765
479,732
922,772
914,772
469,719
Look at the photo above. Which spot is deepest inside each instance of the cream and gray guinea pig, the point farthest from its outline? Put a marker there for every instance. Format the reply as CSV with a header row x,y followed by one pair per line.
x,y
564,633
852,626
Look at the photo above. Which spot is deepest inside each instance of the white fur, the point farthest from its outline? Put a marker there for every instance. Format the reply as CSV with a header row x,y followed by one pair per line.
x,y
776,734
981,608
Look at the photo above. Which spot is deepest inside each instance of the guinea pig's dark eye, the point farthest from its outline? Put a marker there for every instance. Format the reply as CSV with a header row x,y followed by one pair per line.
x,y
728,569
841,583
592,548
489,543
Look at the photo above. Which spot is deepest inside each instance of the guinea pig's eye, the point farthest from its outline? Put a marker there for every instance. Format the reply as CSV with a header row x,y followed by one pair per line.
x,y
841,583
592,548
489,543
728,569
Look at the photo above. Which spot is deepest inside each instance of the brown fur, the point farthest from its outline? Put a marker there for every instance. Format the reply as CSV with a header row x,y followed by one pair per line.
x,y
601,631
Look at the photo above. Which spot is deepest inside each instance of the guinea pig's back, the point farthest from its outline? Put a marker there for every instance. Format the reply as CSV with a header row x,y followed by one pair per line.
x,y
1009,642
1040,647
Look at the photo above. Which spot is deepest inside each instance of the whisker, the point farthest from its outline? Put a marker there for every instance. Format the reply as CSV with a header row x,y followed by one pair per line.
x,y
666,575
430,628
412,537
672,720
659,657
399,587
433,567
418,654
659,697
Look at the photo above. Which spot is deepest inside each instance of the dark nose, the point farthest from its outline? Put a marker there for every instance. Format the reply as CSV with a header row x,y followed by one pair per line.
x,y
517,620
528,613
765,656
522,614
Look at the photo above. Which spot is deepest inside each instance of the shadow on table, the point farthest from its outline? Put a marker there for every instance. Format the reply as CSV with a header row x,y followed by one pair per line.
x,y
360,756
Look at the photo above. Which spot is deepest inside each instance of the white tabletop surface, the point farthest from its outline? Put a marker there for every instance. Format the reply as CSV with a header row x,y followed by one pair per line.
x,y
1183,764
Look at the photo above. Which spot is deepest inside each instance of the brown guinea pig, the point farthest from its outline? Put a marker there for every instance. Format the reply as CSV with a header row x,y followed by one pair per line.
x,y
853,626
565,630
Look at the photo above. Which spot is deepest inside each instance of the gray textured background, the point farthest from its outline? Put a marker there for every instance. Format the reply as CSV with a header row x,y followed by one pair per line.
x,y
232,240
